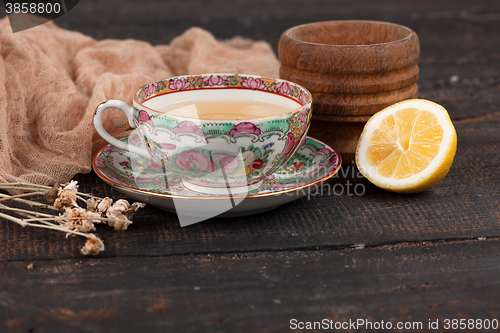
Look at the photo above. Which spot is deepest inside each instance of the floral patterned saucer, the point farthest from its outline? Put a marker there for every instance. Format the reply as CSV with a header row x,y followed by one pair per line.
x,y
144,180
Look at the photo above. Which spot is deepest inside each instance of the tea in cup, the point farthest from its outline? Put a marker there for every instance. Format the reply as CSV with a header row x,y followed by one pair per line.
x,y
216,131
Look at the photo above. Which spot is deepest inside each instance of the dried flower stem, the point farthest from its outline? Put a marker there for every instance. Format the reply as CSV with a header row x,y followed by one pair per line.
x,y
24,223
79,197
75,220
22,212
29,202
19,210
28,213
62,218
36,187
32,187
21,195
24,184
24,188
14,219
54,227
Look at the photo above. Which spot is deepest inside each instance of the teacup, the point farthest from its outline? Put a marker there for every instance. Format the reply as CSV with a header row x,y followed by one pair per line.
x,y
216,131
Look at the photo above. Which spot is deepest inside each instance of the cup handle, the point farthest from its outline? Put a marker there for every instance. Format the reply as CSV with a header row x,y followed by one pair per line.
x,y
129,112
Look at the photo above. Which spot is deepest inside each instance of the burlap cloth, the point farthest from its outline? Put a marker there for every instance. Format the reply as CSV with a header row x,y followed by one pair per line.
x,y
51,81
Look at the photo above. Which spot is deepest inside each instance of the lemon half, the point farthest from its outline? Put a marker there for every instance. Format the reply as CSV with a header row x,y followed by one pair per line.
x,y
407,147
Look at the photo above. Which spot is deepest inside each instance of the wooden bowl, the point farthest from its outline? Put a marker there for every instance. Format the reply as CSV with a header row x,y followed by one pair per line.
x,y
353,69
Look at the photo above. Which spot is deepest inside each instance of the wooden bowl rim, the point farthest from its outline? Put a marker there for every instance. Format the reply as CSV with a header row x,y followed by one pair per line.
x,y
288,33
348,59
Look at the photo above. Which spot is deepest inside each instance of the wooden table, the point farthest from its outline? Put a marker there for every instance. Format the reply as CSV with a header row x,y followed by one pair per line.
x,y
378,257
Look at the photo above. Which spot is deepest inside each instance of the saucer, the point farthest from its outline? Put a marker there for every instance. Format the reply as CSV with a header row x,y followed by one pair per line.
x,y
144,180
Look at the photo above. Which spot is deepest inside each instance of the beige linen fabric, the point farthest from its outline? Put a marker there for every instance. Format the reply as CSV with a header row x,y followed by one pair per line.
x,y
51,81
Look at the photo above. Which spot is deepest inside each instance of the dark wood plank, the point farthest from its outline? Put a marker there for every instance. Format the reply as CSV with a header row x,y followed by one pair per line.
x,y
464,205
259,292
457,38
158,22
300,261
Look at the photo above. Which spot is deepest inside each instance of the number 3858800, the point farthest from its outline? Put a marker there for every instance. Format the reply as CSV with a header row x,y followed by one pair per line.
x,y
32,8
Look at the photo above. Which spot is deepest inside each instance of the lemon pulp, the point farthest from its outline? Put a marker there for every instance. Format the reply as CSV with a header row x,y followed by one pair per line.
x,y
407,147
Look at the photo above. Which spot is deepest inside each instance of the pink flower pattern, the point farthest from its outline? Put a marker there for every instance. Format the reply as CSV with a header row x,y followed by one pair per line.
x,y
189,159
99,161
303,114
214,80
253,83
325,151
211,80
197,160
284,88
333,160
229,163
289,143
107,150
303,98
154,166
167,146
145,118
134,139
245,127
304,172
150,89
188,127
178,84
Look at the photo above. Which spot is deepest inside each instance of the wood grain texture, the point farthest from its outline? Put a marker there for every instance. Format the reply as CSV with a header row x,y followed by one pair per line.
x,y
456,37
464,205
350,83
341,132
352,68
252,292
254,274
349,46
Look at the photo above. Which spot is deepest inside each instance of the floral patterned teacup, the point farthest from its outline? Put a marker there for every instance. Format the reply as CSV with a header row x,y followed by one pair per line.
x,y
212,154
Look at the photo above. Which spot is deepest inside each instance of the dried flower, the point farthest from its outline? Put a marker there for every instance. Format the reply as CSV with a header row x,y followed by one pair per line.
x,y
122,213
119,206
115,212
121,223
103,206
92,204
133,208
83,225
66,196
75,220
52,194
92,247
